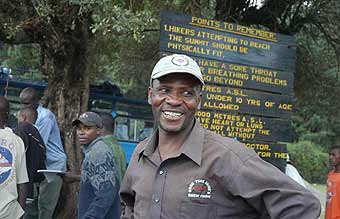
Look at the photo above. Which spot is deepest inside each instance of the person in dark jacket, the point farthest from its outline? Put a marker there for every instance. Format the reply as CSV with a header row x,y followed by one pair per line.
x,y
99,181
35,156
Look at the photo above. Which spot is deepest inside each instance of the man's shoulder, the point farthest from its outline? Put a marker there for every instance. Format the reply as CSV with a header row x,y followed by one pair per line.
x,y
44,113
29,130
141,145
9,135
100,147
98,142
110,139
25,126
99,154
334,175
113,143
8,139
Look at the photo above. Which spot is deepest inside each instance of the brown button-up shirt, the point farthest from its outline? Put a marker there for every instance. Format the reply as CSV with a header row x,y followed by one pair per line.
x,y
212,177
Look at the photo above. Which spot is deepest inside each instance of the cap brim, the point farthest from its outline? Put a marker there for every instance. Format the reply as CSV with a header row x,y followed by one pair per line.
x,y
80,121
173,71
75,122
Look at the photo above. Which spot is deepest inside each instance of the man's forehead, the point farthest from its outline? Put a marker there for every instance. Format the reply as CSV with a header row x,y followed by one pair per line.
x,y
26,97
176,77
82,125
335,151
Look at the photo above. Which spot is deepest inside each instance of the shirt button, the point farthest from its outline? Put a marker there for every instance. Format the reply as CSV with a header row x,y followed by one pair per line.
x,y
161,172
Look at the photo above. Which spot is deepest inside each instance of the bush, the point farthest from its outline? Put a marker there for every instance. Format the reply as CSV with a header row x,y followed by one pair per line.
x,y
311,162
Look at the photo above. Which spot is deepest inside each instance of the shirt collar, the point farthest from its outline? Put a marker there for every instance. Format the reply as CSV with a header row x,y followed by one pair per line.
x,y
87,148
39,108
192,147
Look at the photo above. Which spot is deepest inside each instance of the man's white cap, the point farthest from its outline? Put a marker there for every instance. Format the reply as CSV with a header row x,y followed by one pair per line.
x,y
176,63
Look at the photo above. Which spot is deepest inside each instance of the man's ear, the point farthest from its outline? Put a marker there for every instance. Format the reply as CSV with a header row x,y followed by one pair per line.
x,y
149,95
199,101
98,131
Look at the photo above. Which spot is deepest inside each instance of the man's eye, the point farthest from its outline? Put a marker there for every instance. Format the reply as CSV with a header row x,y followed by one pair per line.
x,y
163,90
187,93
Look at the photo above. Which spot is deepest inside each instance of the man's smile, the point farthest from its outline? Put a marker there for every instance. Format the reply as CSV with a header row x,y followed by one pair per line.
x,y
171,115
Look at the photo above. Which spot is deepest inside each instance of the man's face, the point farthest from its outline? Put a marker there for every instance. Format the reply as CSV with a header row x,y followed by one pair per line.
x,y
334,157
86,134
27,100
174,99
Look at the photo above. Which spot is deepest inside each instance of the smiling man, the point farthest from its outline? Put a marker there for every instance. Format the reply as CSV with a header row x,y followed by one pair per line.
x,y
184,171
99,185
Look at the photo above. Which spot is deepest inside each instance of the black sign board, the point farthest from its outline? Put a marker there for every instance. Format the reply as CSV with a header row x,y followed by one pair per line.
x,y
225,41
245,76
273,153
246,101
246,127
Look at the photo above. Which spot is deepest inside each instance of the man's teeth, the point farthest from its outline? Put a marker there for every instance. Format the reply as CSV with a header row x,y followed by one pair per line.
x,y
172,114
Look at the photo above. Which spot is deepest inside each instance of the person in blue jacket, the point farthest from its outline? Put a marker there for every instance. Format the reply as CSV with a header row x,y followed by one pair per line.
x,y
99,184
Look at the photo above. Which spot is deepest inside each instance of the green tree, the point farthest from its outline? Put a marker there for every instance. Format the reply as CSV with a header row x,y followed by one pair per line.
x,y
312,164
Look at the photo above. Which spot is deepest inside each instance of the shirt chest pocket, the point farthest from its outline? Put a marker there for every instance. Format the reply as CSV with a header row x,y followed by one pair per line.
x,y
198,211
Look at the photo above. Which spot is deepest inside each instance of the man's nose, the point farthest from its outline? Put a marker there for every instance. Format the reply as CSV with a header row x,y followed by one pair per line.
x,y
174,99
80,132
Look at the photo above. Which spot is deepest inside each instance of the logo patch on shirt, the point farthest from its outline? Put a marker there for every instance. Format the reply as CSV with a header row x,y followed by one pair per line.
x,y
199,188
6,161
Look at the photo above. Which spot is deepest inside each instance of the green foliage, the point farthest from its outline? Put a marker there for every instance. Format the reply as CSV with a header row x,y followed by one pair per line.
x,y
126,42
24,60
123,21
317,87
130,63
311,162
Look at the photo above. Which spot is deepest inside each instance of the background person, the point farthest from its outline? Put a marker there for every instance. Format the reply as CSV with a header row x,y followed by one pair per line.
x,y
49,190
333,185
35,156
13,173
186,171
99,185
108,138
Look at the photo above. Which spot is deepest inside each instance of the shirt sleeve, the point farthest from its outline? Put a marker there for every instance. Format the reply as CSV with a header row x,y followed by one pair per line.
x,y
21,174
268,190
45,126
127,196
104,181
